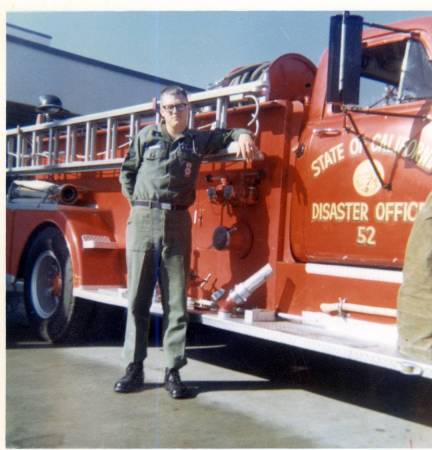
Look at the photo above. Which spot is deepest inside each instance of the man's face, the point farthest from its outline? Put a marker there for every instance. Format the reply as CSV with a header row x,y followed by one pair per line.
x,y
175,110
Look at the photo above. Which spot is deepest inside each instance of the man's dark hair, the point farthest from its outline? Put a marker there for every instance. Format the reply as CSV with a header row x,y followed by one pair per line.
x,y
174,90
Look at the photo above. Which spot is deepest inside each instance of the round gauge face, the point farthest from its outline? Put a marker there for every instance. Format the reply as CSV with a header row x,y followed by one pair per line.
x,y
365,181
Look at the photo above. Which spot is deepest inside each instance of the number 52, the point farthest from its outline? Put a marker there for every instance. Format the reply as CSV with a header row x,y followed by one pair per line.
x,y
366,235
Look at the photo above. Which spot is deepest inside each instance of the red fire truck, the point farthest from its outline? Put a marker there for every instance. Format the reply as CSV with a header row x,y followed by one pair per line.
x,y
304,245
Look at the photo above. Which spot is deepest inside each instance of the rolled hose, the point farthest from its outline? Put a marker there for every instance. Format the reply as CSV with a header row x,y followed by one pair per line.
x,y
67,194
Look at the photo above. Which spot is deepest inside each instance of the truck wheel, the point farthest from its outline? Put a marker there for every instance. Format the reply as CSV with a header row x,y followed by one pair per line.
x,y
51,308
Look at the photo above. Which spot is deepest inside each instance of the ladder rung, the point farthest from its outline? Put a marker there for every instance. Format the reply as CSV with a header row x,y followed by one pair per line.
x,y
80,140
68,143
108,138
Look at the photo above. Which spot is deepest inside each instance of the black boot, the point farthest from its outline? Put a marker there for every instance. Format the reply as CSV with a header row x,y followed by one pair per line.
x,y
133,380
174,385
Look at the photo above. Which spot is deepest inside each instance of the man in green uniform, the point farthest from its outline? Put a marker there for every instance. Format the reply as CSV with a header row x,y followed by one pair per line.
x,y
158,177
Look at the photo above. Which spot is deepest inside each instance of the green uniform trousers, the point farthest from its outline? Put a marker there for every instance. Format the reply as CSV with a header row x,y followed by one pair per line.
x,y
415,293
158,245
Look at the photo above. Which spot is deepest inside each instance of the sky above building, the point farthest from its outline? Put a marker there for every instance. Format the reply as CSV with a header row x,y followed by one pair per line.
x,y
193,47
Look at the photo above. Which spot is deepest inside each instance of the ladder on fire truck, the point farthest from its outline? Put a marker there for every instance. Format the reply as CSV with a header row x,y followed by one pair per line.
x,y
74,144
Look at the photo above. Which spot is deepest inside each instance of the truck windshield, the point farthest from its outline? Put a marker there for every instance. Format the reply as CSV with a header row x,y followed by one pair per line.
x,y
394,73
416,82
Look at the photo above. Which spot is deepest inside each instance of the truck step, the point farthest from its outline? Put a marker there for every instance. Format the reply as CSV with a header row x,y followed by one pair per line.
x,y
110,295
311,331
379,352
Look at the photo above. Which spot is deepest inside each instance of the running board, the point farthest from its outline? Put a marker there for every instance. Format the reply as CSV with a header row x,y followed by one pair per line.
x,y
109,295
308,332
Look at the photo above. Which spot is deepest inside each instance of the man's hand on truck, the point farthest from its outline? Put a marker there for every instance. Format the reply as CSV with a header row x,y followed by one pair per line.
x,y
247,147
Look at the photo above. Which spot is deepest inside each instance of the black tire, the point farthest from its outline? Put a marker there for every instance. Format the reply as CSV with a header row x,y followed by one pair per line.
x,y
54,313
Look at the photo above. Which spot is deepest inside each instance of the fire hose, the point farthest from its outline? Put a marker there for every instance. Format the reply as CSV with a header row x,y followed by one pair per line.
x,y
66,193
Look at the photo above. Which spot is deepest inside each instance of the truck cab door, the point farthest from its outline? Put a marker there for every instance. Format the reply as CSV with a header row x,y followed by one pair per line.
x,y
342,211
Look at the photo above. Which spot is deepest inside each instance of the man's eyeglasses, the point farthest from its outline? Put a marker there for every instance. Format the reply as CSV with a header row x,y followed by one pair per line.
x,y
177,107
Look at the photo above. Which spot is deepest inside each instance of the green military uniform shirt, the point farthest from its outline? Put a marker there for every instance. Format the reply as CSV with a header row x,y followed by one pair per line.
x,y
159,168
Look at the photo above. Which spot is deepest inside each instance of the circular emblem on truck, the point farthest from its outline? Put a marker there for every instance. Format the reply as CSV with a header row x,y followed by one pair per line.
x,y
365,182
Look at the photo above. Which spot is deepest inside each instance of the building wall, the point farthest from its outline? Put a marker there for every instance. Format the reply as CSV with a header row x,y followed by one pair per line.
x,y
84,85
25,33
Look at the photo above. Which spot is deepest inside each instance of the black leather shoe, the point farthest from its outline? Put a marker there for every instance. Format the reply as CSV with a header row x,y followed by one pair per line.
x,y
133,380
174,385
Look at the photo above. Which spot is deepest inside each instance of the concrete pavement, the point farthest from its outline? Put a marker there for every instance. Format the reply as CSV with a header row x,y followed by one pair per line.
x,y
249,394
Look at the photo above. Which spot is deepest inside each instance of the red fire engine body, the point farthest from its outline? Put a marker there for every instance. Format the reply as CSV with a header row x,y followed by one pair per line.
x,y
326,208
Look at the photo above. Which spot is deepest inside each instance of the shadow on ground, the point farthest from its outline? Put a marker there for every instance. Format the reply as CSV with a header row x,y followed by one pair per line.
x,y
371,387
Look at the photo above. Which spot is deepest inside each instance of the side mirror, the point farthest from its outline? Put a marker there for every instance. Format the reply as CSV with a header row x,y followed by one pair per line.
x,y
344,64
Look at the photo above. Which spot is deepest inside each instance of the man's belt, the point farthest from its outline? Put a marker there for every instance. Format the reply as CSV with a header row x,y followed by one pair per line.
x,y
158,205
